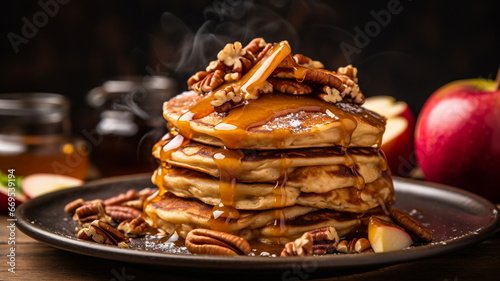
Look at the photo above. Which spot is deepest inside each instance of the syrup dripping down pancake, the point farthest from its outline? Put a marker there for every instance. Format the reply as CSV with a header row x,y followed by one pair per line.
x,y
175,214
259,196
267,165
319,124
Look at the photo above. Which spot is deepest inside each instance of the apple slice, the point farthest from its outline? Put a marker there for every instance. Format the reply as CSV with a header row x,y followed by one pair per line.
x,y
397,142
385,236
37,184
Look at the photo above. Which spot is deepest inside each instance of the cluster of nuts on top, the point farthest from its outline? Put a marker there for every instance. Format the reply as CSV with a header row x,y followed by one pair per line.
x,y
97,218
234,61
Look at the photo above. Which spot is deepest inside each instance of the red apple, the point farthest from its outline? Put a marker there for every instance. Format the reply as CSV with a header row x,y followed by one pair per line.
x,y
385,236
37,184
457,139
397,142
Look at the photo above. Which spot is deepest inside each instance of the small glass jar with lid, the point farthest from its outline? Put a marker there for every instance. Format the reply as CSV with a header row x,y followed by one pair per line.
x,y
130,122
35,136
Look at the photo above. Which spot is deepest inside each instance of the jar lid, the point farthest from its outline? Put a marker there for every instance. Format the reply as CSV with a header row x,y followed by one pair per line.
x,y
142,96
34,114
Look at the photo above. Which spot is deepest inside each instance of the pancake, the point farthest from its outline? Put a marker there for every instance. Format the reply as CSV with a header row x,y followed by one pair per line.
x,y
320,124
301,165
174,214
259,196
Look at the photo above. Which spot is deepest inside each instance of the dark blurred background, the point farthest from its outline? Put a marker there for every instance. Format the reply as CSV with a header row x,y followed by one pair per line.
x,y
406,49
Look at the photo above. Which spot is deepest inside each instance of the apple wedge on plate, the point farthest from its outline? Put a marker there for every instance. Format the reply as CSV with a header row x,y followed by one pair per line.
x,y
37,184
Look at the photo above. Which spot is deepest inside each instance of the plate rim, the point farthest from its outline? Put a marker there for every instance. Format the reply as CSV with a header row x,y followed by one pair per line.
x,y
247,262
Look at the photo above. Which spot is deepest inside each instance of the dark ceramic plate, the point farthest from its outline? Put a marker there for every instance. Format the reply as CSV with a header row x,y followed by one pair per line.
x,y
457,218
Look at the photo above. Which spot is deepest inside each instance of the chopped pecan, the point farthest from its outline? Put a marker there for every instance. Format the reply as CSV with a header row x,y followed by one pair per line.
x,y
231,96
349,71
227,94
290,86
211,242
216,65
302,246
232,77
91,212
356,245
235,57
73,205
411,225
121,213
103,233
307,62
324,239
349,94
121,198
360,245
133,228
343,246
330,94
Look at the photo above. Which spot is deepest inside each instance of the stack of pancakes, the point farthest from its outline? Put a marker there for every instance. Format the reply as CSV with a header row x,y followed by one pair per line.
x,y
272,167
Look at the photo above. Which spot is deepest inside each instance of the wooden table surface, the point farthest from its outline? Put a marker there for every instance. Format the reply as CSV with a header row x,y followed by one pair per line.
x,y
37,261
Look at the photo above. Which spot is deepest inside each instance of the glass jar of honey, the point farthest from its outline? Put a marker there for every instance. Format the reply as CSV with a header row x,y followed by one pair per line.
x,y
35,136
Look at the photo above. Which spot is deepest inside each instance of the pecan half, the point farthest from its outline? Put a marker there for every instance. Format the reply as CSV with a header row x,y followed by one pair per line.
x,y
133,228
324,239
73,205
103,233
121,198
411,225
256,46
90,212
139,202
263,52
121,213
211,81
302,246
290,87
307,61
323,77
198,76
211,242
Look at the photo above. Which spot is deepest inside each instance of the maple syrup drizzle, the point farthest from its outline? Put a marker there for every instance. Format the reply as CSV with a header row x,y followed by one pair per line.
x,y
352,163
229,163
279,199
166,151
234,128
